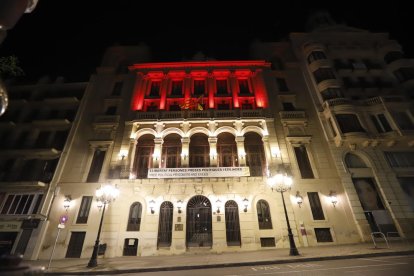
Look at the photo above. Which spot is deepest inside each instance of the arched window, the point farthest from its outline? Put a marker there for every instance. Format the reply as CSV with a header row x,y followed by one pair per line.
x,y
255,156
165,224
232,223
134,218
143,156
263,215
199,151
354,161
171,151
227,150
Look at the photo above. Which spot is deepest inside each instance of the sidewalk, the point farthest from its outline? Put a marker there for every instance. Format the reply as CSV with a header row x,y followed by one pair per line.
x,y
210,260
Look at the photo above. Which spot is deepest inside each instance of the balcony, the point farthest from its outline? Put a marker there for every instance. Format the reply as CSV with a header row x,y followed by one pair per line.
x,y
296,117
207,114
52,122
103,121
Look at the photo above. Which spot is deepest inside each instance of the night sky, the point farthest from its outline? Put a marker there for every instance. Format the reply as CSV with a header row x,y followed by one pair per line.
x,y
68,38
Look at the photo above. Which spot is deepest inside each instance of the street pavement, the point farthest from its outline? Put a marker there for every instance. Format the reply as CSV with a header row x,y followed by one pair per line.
x,y
192,260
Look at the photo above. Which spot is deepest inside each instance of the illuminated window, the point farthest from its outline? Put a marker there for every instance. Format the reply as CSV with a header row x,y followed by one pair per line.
x,y
199,151
255,156
227,150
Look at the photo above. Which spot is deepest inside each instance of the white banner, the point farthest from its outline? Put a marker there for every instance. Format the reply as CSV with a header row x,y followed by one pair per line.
x,y
199,172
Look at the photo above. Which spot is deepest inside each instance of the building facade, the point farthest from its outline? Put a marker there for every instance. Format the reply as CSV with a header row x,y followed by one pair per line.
x,y
192,145
34,133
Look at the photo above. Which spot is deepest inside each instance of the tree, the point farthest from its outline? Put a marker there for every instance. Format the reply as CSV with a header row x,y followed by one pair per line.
x,y
9,67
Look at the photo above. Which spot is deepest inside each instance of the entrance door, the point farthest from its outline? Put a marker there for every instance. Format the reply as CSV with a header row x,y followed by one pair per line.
x,y
199,226
75,245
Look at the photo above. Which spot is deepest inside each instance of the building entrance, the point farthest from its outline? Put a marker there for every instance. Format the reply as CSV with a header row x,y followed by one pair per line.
x,y
199,227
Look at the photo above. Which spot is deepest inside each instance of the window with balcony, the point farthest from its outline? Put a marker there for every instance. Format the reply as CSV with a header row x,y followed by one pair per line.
x,y
143,156
199,151
175,107
171,151
224,105
255,156
199,87
155,89
152,107
349,123
381,123
244,86
110,110
84,209
222,89
177,88
227,150
21,204
247,105
322,74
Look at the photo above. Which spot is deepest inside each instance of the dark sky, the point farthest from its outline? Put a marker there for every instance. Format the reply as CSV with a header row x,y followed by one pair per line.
x,y
68,38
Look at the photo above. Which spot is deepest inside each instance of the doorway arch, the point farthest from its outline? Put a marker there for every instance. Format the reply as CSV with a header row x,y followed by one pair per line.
x,y
199,224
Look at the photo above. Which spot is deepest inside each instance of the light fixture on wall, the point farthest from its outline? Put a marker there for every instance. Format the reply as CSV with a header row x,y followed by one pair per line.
x,y
218,204
334,199
66,202
152,206
275,152
184,155
242,155
299,199
156,156
179,205
245,204
122,154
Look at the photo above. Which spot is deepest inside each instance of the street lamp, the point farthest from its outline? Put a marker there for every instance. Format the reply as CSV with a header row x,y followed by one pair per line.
x,y
282,183
105,195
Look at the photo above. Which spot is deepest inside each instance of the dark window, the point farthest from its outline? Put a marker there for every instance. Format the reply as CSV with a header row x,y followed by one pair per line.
x,y
263,215
84,209
392,56
244,86
21,204
96,166
222,87
381,123
316,55
398,159
303,162
43,140
152,107
232,223
175,107
322,74
287,106
331,93
404,74
247,105
323,235
407,184
177,88
223,106
130,247
316,206
403,121
349,123
60,139
267,242
117,89
155,88
165,224
111,110
227,150
281,83
199,151
134,218
199,87
171,151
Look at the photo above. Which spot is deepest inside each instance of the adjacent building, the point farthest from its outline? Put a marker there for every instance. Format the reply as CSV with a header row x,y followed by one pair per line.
x,y
192,145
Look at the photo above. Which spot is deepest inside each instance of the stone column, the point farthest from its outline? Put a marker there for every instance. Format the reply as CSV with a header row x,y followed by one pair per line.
x,y
185,148
241,152
213,151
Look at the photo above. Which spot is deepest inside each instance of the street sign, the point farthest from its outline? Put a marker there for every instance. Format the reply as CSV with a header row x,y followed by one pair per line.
x,y
61,226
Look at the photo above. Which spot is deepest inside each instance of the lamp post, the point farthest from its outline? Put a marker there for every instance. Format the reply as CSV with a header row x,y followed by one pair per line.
x,y
282,183
105,195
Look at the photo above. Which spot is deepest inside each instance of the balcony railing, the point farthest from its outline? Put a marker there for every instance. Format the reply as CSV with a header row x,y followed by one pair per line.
x,y
211,113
